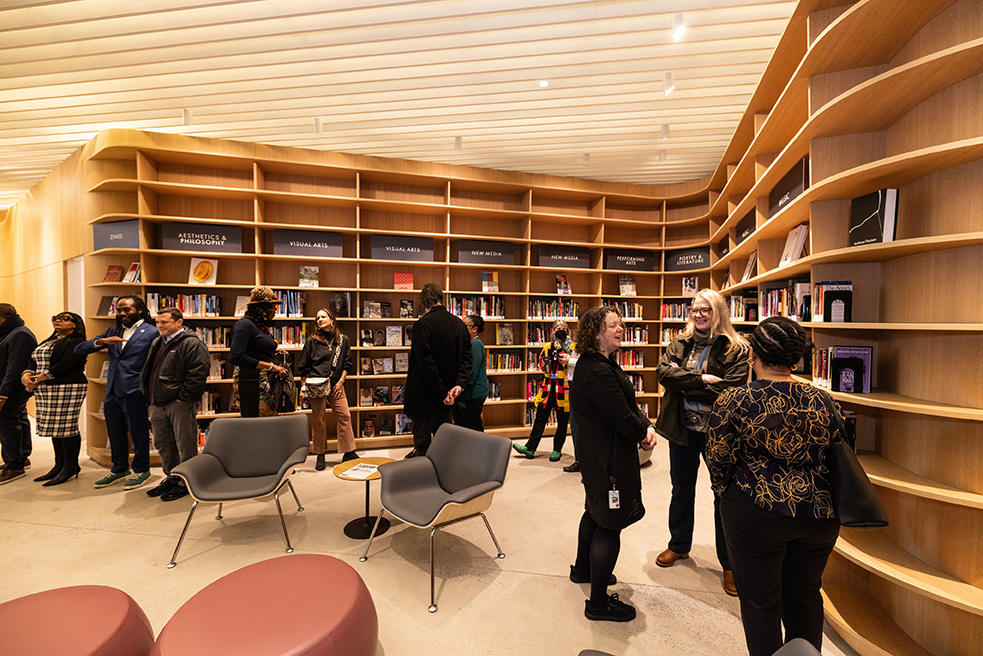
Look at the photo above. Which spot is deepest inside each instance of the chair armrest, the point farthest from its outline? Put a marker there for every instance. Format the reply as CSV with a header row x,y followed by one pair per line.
x,y
473,492
200,471
297,457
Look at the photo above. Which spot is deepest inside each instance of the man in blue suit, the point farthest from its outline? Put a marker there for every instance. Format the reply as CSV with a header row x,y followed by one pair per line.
x,y
125,407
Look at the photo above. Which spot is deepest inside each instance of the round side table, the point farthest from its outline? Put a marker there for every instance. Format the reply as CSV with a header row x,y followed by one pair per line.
x,y
361,528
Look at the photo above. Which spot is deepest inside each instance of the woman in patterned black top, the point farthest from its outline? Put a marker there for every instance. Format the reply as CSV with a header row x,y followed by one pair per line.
x,y
766,451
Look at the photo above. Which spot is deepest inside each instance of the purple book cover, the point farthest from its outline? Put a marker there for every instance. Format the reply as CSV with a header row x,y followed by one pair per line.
x,y
865,353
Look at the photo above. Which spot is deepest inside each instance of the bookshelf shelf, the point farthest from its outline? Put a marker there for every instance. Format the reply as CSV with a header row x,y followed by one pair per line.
x,y
884,473
857,616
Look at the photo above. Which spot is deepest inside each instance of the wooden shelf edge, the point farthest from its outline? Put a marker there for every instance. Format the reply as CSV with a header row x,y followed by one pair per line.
x,y
885,473
860,620
875,552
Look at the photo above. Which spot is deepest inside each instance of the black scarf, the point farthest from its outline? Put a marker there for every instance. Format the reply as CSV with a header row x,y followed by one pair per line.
x,y
8,325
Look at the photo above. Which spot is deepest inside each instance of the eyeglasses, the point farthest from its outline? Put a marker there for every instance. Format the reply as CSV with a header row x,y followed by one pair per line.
x,y
700,312
62,317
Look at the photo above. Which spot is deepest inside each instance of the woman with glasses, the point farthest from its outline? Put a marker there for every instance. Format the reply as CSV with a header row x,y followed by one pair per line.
x,y
57,378
706,358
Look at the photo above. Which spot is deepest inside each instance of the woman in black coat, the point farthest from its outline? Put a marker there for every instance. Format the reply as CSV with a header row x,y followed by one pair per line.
x,y
612,428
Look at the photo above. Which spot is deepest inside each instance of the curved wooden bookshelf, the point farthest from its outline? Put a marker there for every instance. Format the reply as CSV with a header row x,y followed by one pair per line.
x,y
884,473
858,617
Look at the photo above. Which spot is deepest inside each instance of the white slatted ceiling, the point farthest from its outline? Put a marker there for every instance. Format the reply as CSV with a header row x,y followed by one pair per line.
x,y
393,79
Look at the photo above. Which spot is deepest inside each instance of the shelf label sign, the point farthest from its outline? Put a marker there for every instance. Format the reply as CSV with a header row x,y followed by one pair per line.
x,y
688,259
624,259
472,251
399,247
309,243
789,187
564,257
201,237
119,234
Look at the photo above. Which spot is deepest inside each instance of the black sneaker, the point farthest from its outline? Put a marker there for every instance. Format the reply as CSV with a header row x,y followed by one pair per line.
x,y
577,577
573,467
615,611
162,488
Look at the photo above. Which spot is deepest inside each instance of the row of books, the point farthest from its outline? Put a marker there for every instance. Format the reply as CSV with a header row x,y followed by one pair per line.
x,y
388,336
191,305
398,364
553,309
114,273
638,383
669,334
209,403
380,395
382,309
289,303
290,335
792,300
637,335
385,424
843,368
627,309
630,359
497,361
487,307
494,391
675,311
217,336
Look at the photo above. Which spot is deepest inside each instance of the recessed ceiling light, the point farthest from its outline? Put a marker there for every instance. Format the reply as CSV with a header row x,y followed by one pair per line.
x,y
586,159
667,84
664,130
544,83
187,116
678,27
458,144
318,125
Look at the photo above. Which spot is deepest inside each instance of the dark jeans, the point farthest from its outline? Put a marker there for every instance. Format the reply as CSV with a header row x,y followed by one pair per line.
x,y
684,468
778,569
425,427
126,419
15,434
467,413
175,433
539,425
248,392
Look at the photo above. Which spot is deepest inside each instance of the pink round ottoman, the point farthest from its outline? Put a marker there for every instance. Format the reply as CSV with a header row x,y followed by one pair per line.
x,y
83,620
298,605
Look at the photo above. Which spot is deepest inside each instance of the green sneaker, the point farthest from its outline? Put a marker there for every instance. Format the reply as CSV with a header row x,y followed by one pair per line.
x,y
136,480
111,478
555,456
521,448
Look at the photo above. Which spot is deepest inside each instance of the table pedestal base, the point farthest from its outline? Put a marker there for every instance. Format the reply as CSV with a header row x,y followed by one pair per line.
x,y
361,528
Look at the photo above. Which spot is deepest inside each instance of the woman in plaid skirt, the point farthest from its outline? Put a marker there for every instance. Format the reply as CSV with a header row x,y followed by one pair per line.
x,y
57,378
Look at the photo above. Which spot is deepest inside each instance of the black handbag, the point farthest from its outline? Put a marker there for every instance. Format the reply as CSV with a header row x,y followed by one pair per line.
x,y
855,501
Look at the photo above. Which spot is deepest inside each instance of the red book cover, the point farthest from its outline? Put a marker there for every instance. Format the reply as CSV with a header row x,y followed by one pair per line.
x,y
403,280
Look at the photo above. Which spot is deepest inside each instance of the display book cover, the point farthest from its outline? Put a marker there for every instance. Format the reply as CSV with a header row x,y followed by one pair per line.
x,y
794,244
834,301
850,369
790,187
874,217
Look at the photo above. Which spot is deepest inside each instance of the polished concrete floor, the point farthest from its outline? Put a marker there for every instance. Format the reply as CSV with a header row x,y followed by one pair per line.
x,y
74,534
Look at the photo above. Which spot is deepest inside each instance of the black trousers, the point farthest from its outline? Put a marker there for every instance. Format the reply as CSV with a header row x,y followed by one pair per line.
x,y
425,427
15,434
467,413
539,425
248,392
778,564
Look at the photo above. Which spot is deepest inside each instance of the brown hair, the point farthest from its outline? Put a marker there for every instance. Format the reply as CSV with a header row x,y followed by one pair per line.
x,y
590,325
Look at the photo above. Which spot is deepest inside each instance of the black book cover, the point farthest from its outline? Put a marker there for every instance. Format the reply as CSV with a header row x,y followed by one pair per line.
x,y
744,228
338,303
873,217
847,375
838,306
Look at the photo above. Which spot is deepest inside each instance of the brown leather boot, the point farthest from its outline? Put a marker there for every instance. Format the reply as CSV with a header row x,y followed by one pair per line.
x,y
669,557
729,586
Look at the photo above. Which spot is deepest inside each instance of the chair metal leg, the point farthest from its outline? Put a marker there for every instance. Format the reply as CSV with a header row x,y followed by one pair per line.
x,y
365,556
433,605
492,534
283,524
219,515
293,492
191,514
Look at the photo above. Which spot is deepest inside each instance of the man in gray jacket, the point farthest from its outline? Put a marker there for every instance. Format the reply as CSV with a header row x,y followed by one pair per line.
x,y
172,380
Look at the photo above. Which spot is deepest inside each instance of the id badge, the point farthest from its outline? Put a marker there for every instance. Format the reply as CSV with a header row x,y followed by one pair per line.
x,y
614,499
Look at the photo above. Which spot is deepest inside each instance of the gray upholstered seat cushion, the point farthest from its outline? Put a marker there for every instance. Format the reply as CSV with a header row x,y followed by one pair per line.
x,y
208,481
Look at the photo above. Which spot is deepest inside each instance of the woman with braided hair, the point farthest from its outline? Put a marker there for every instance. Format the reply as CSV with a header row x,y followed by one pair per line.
x,y
766,449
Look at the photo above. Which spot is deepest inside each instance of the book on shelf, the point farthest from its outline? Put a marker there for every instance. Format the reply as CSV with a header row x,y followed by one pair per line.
x,y
405,308
403,280
241,303
386,309
365,395
385,425
368,338
380,337
133,273
307,276
387,365
408,334
338,303
104,372
874,217
489,281
562,284
378,366
365,366
202,271
404,425
626,284
850,369
794,244
397,395
215,368
401,362
381,395
107,306
691,285
750,269
833,301
371,310
368,426
394,335
504,334
114,273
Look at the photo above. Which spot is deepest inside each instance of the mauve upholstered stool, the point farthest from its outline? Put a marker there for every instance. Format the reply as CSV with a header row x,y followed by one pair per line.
x,y
83,620
301,605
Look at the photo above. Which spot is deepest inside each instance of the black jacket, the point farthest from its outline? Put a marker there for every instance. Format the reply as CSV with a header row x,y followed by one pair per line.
x,y
182,373
609,428
440,358
17,342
